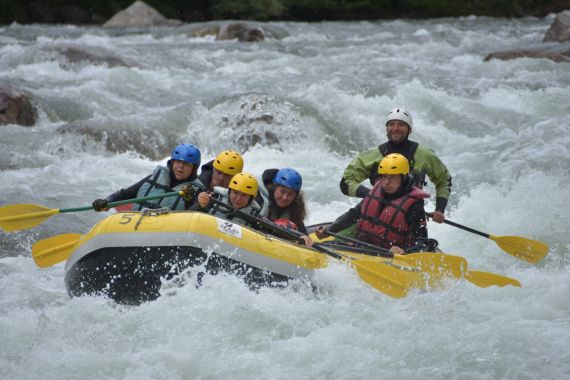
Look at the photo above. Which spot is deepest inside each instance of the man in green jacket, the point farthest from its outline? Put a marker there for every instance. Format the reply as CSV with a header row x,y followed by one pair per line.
x,y
423,162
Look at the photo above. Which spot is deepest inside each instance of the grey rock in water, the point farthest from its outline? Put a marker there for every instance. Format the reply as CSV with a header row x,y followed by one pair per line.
x,y
513,54
139,14
241,31
76,55
121,137
559,31
16,107
255,119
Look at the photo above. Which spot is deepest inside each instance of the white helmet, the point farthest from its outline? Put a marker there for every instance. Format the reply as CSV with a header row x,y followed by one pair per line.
x,y
401,114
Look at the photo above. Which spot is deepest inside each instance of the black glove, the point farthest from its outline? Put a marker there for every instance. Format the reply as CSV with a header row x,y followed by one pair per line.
x,y
189,192
100,205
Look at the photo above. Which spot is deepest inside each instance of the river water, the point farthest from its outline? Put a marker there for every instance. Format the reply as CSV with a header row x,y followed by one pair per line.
x,y
311,101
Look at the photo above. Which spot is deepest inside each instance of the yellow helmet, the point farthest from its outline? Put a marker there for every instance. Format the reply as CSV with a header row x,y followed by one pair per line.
x,y
244,182
229,162
394,163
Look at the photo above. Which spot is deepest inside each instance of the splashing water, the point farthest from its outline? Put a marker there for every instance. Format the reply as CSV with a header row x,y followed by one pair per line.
x,y
309,101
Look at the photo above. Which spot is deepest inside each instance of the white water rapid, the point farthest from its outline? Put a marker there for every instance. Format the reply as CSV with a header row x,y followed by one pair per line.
x,y
313,100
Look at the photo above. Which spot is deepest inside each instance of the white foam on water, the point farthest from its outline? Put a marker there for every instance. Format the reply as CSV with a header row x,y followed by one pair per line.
x,y
501,127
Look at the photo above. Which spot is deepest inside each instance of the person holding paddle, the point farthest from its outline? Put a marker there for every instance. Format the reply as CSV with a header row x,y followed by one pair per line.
x,y
239,195
422,162
392,214
178,174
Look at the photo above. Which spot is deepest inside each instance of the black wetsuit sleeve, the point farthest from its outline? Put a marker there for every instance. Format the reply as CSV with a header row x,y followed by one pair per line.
x,y
440,204
361,191
127,193
347,219
416,219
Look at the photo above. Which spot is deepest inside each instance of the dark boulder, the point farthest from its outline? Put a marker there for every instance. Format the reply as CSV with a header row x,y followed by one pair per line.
x,y
16,107
242,32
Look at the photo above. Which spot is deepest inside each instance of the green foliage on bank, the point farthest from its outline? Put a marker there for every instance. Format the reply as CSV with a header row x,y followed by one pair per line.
x,y
98,11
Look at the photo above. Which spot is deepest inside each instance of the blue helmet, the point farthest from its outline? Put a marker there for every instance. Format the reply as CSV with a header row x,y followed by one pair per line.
x,y
289,178
187,153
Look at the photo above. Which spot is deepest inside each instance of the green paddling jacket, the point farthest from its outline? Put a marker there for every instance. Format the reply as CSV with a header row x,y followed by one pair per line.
x,y
423,162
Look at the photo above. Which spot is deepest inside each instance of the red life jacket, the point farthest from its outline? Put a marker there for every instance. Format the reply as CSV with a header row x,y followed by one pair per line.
x,y
383,222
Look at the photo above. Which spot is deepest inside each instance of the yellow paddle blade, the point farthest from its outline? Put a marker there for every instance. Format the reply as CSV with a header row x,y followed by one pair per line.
x,y
528,250
393,279
486,279
54,250
382,277
434,263
22,216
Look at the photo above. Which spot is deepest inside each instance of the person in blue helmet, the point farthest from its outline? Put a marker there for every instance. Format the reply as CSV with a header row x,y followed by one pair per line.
x,y
282,199
178,174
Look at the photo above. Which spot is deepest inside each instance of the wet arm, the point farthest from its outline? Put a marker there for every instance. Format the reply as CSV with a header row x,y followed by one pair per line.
x,y
127,193
346,220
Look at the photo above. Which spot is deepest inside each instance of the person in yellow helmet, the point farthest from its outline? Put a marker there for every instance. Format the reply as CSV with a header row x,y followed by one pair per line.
x,y
240,194
220,170
423,162
392,214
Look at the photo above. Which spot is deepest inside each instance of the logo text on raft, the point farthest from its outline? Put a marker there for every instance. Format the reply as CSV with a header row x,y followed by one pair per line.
x,y
229,228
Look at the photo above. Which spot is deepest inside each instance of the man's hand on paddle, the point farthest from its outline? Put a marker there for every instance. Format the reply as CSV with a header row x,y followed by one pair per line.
x,y
438,217
397,250
321,232
308,240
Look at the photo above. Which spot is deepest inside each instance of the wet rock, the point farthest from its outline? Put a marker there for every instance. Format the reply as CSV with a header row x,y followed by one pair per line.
x,y
139,14
254,119
125,138
242,32
513,54
267,138
16,107
238,30
559,31
74,55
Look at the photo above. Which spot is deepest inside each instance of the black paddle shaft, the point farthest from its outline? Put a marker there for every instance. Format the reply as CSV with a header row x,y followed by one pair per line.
x,y
462,227
378,250
259,223
274,229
